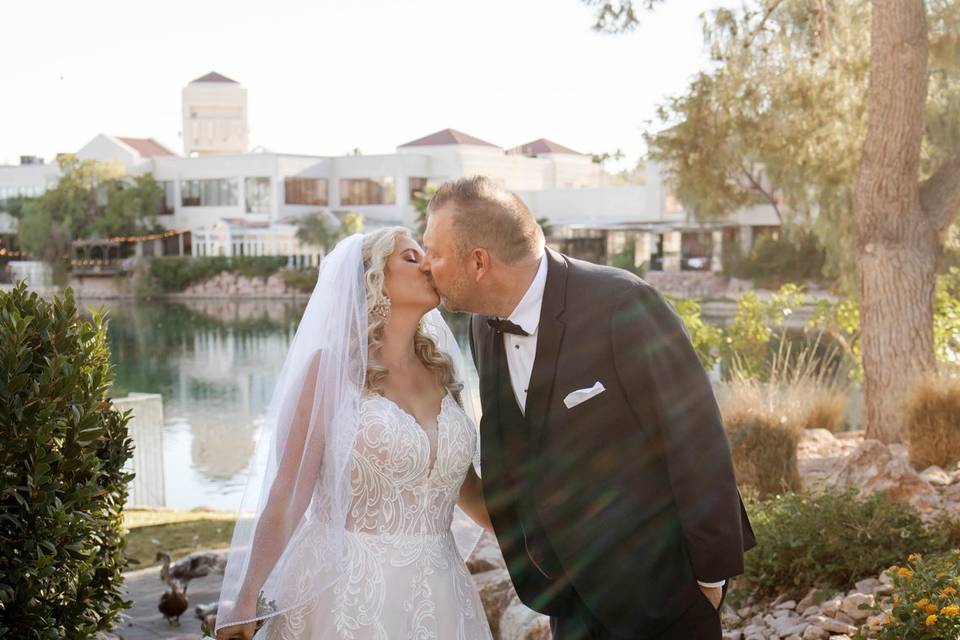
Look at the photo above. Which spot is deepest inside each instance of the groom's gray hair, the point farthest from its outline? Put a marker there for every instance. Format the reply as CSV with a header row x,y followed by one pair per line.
x,y
486,215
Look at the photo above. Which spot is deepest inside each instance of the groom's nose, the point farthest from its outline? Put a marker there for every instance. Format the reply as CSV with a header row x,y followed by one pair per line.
x,y
425,265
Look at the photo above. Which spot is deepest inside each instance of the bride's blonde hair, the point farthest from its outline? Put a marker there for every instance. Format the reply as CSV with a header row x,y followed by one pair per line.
x,y
377,248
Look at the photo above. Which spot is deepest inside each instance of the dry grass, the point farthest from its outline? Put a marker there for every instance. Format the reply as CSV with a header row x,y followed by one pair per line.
x,y
933,422
763,440
765,420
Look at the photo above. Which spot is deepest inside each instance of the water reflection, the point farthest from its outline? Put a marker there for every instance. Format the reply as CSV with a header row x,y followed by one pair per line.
x,y
215,362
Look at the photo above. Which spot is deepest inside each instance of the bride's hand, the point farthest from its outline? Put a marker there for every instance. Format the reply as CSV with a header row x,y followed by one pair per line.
x,y
245,609
238,632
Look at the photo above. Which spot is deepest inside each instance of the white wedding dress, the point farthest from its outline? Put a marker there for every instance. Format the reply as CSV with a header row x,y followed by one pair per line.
x,y
405,579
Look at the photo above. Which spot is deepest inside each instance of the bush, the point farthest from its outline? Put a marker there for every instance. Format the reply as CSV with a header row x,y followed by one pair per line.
x,y
258,266
176,273
764,447
63,450
933,422
926,604
790,257
303,281
829,540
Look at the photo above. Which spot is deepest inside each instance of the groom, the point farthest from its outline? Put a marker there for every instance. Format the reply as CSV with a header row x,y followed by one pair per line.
x,y
606,469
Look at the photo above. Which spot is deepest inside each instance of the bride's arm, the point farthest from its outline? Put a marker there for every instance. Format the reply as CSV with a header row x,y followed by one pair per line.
x,y
471,500
287,502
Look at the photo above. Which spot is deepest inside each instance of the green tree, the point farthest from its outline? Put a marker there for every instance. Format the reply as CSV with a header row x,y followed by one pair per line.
x,y
91,199
323,230
420,200
819,116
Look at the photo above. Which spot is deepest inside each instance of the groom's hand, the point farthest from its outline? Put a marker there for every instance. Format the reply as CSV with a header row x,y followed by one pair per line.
x,y
714,595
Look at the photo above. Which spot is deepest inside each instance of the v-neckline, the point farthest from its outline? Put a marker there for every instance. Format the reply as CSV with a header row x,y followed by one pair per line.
x,y
435,455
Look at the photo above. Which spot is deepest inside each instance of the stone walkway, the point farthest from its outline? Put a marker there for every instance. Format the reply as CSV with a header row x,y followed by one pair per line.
x,y
144,621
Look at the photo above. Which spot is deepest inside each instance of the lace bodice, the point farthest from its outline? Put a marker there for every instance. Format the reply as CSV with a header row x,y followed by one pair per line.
x,y
400,483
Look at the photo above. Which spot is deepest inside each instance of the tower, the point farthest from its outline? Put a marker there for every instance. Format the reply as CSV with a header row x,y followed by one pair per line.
x,y
214,116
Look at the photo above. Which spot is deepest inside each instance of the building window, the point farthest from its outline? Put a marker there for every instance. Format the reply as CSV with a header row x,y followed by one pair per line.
x,y
169,202
305,191
417,185
257,194
357,191
221,192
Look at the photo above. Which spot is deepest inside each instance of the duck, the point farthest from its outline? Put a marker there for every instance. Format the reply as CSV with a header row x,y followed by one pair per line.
x,y
173,603
195,565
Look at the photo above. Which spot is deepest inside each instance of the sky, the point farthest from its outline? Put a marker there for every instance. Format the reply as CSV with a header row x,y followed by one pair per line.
x,y
325,77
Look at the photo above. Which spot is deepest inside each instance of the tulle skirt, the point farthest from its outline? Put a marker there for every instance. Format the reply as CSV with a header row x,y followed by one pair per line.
x,y
393,588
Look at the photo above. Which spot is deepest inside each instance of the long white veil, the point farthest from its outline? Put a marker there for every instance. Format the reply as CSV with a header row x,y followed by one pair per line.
x,y
288,543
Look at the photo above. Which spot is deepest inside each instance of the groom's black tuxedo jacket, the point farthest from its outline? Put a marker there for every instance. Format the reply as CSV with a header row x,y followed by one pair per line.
x,y
631,491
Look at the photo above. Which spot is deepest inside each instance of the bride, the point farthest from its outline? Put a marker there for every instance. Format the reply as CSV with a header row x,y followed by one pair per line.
x,y
367,452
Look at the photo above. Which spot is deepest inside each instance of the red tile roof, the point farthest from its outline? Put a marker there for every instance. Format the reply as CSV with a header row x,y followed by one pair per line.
x,y
213,76
540,146
447,137
147,147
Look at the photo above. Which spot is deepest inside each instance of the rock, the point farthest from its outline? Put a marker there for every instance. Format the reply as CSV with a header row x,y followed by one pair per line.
x,y
812,610
831,625
873,467
745,612
808,600
867,585
831,606
496,593
787,604
733,634
789,626
852,603
486,555
936,476
814,632
521,623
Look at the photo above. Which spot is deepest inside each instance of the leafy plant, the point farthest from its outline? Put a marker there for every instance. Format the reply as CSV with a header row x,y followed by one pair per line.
x,y
63,447
829,539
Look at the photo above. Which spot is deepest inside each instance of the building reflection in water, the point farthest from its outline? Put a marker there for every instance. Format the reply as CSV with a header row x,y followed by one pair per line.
x,y
215,362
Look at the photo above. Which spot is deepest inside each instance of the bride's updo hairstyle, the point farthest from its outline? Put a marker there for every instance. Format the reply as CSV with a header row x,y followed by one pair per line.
x,y
377,248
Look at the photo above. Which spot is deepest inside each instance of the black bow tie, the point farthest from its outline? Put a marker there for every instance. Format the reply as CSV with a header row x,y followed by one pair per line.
x,y
505,326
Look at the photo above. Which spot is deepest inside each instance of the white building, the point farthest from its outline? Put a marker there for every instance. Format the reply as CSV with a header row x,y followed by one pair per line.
x,y
239,203
214,116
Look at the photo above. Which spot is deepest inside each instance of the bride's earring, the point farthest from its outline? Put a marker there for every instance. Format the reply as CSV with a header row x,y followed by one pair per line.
x,y
382,308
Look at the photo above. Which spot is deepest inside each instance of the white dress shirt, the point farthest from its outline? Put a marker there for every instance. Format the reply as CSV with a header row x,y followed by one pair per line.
x,y
521,350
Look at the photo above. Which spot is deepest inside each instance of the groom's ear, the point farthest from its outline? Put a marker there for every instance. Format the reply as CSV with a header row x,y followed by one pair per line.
x,y
480,263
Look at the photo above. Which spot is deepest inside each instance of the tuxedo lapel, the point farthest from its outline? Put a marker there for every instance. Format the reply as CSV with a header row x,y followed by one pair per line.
x,y
549,338
491,429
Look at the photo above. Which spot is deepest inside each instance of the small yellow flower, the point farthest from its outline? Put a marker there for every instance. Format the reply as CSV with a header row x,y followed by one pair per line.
x,y
950,610
922,603
930,608
947,592
889,619
903,572
913,557
956,552
931,620
896,599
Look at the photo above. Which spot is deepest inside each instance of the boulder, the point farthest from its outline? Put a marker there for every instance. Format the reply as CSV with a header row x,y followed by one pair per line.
x,y
872,467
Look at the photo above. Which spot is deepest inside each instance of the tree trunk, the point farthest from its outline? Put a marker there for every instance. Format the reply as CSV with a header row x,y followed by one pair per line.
x,y
898,242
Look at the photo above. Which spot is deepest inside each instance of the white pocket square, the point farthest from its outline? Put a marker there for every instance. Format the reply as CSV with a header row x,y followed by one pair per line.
x,y
582,395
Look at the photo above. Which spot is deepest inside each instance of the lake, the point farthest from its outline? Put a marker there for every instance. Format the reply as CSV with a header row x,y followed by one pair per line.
x,y
215,363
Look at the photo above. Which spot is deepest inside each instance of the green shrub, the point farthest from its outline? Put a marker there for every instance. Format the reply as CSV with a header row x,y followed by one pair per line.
x,y
176,273
257,266
933,422
790,257
303,281
926,604
829,540
63,447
